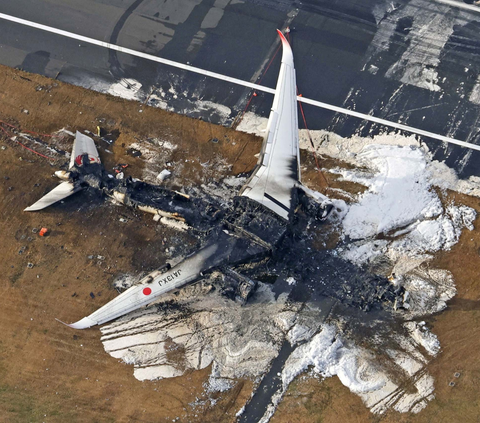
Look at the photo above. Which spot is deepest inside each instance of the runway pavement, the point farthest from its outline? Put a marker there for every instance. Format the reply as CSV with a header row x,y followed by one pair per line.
x,y
416,62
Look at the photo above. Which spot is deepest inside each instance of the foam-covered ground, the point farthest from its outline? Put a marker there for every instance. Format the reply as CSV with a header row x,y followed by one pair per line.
x,y
395,226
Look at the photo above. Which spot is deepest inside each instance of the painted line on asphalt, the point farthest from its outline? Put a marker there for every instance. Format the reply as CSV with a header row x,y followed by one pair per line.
x,y
135,53
391,124
236,81
459,4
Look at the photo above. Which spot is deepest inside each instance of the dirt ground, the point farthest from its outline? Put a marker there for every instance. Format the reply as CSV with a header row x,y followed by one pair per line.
x,y
51,373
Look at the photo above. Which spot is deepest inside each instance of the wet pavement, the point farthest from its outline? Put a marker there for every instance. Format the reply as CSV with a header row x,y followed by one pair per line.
x,y
416,62
271,383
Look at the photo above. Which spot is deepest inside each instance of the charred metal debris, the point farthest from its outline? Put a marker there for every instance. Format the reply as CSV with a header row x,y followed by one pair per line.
x,y
253,243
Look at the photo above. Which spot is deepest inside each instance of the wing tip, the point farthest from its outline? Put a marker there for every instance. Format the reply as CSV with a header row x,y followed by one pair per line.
x,y
282,37
84,323
34,207
63,323
287,56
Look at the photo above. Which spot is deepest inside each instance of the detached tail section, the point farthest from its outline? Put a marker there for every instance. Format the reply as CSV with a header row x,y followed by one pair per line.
x,y
83,150
278,170
83,146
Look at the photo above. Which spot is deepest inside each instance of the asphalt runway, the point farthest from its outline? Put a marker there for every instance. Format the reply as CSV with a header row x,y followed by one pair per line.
x,y
416,62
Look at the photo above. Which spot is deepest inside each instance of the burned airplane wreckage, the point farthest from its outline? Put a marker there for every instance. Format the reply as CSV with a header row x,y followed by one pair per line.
x,y
262,235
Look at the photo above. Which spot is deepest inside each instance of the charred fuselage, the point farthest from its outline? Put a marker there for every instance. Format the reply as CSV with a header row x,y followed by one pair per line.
x,y
245,241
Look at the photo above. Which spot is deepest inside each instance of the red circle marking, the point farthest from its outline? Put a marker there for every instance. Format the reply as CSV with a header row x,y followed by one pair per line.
x,y
147,291
79,159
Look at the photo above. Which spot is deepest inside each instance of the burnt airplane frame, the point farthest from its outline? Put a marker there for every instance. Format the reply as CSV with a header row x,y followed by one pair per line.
x,y
255,227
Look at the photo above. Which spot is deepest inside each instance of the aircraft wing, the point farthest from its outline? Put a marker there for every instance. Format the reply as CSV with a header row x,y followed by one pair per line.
x,y
81,146
278,169
58,193
152,287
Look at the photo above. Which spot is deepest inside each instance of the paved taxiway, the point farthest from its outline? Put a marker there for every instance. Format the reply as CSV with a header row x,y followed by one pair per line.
x,y
416,62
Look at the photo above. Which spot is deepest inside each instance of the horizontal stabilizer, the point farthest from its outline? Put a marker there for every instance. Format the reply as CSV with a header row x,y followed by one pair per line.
x,y
83,145
58,193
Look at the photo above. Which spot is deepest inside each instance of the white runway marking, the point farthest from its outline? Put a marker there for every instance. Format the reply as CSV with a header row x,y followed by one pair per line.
x,y
461,5
389,123
135,53
238,81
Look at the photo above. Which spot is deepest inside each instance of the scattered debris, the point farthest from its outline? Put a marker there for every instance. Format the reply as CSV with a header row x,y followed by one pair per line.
x,y
133,152
291,281
164,174
120,167
30,265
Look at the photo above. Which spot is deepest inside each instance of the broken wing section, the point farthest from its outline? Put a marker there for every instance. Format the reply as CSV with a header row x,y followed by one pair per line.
x,y
58,193
278,170
152,288
83,145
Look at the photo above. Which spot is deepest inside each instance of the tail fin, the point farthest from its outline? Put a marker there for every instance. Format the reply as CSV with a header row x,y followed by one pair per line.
x,y
58,193
83,145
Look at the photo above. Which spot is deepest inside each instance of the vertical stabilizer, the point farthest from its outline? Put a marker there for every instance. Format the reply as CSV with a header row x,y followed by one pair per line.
x,y
83,145
83,151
